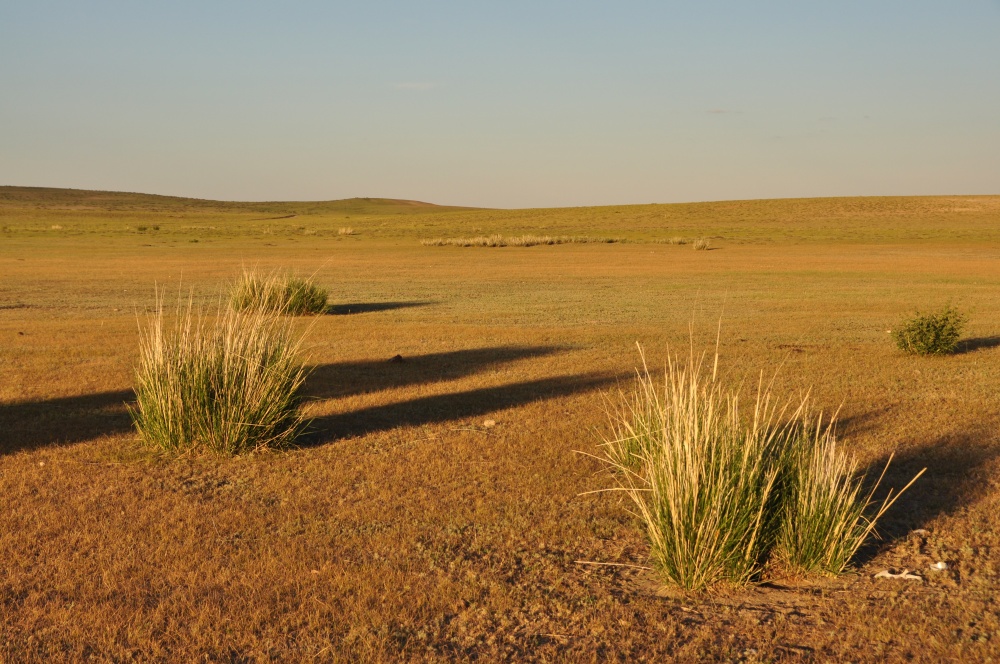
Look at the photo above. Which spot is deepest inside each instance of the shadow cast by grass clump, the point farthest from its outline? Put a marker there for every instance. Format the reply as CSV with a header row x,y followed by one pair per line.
x,y
372,307
28,425
976,343
448,407
955,479
860,423
343,379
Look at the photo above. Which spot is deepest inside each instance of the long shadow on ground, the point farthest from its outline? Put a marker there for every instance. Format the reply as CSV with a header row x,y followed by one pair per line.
x,y
31,424
955,478
370,307
343,379
976,343
66,420
446,407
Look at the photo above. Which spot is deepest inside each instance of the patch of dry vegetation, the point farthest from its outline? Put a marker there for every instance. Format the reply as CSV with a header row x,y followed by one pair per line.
x,y
514,241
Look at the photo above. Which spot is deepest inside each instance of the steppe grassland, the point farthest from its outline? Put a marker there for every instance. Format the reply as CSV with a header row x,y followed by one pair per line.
x,y
408,529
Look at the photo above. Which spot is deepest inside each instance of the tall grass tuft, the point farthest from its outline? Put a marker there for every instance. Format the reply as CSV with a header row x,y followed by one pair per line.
x,y
701,478
825,509
719,491
277,292
229,385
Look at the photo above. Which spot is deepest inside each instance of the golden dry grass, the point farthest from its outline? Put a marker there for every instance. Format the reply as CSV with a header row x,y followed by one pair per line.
x,y
406,529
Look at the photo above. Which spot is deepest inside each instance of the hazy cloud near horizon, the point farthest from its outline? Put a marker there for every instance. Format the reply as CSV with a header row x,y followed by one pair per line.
x,y
546,103
414,85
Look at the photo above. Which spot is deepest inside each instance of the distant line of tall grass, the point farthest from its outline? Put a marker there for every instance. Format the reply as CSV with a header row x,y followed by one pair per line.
x,y
700,243
516,241
720,492
228,384
534,240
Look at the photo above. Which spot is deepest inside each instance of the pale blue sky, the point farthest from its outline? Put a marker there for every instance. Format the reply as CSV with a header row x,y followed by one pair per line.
x,y
506,104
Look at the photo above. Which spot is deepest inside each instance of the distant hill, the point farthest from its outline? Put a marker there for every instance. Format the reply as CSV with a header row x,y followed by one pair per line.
x,y
84,199
864,219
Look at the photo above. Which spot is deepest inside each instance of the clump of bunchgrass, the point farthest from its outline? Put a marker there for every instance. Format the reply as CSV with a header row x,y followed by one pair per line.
x,y
719,492
345,230
824,520
702,244
278,292
930,334
700,477
228,384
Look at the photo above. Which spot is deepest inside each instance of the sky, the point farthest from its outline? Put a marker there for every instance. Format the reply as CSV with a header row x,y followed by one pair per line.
x,y
502,104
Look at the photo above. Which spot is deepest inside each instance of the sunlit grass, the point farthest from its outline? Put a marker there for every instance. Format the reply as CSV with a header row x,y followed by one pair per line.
x,y
700,477
718,491
227,384
825,510
277,292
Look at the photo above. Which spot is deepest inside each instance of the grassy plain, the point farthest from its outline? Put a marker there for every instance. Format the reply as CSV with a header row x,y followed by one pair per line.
x,y
404,528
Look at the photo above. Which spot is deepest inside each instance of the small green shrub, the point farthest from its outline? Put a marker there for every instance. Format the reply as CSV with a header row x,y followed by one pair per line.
x,y
277,292
228,386
930,334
